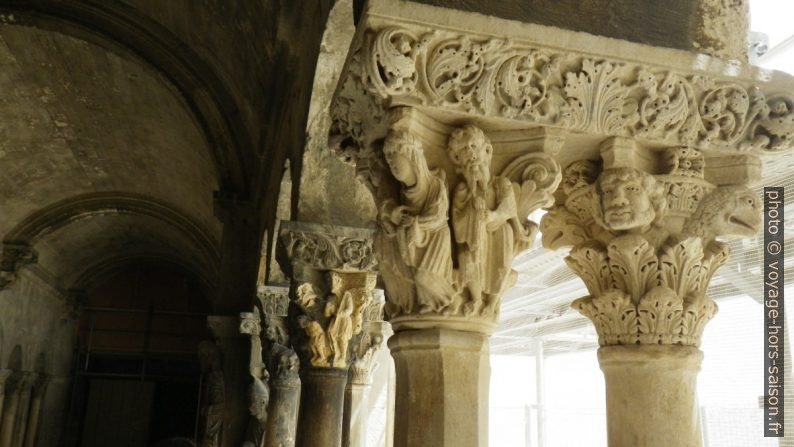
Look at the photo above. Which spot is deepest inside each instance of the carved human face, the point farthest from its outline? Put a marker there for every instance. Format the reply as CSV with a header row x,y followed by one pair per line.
x,y
624,201
401,168
471,151
258,407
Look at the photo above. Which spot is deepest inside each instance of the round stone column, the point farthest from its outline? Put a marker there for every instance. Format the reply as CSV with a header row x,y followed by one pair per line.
x,y
651,395
442,388
282,413
322,406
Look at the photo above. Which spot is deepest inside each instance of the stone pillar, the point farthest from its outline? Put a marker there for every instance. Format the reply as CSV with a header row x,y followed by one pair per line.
x,y
23,411
37,400
332,280
646,246
233,350
365,350
282,363
4,375
11,408
451,219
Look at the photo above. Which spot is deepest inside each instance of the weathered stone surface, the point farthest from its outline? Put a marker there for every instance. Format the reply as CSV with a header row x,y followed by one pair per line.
x,y
651,399
450,370
322,405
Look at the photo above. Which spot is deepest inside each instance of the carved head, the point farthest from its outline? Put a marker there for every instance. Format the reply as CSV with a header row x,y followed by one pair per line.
x,y
209,356
471,151
728,211
402,152
306,296
628,198
259,399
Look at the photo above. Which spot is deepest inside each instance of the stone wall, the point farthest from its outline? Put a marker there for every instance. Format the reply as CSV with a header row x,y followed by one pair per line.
x,y
37,318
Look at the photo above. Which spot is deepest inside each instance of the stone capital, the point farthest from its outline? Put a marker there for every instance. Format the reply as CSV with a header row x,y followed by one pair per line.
x,y
646,233
274,300
371,340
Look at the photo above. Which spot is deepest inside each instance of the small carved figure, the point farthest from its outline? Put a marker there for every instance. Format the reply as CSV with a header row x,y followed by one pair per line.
x,y
340,331
259,398
728,211
318,341
420,223
629,199
213,395
485,218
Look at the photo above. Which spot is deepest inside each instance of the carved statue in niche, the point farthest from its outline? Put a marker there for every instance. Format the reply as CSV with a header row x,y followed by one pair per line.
x,y
419,228
487,228
213,394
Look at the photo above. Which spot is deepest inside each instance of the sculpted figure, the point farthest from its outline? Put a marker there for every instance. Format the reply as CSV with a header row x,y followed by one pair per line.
x,y
419,223
341,328
730,211
488,231
629,199
259,393
259,398
213,395
318,341
281,359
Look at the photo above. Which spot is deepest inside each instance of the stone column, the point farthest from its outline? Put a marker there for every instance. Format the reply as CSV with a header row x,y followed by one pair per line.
x,y
4,375
11,408
365,350
234,376
23,412
451,219
37,400
282,363
644,243
332,279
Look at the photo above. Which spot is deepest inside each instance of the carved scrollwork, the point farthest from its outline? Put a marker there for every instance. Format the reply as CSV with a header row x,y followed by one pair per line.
x,y
501,78
323,248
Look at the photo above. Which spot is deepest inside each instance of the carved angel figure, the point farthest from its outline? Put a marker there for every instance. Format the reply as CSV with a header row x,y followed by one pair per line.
x,y
629,199
213,395
418,224
488,231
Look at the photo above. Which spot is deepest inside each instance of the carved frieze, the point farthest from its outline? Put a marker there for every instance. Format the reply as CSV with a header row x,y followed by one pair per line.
x,y
274,300
326,247
523,81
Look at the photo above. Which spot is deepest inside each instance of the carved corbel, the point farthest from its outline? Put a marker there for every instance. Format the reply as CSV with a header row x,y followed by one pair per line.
x,y
646,245
12,258
332,274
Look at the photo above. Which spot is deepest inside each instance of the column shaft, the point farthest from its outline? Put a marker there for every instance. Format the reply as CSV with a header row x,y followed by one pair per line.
x,y
322,405
651,399
9,418
354,430
442,388
282,413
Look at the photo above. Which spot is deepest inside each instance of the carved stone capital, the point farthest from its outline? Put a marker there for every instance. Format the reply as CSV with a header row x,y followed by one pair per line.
x,y
453,213
330,315
373,339
274,300
12,258
644,227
